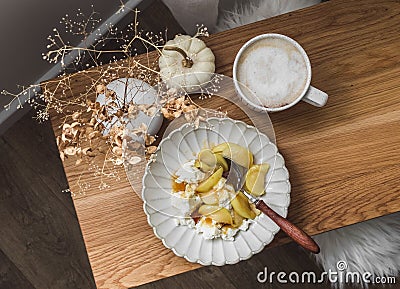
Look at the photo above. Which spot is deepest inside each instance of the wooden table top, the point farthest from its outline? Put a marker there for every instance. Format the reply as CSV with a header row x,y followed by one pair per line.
x,y
343,158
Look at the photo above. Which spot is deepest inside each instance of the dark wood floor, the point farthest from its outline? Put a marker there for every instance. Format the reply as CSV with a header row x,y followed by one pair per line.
x,y
41,244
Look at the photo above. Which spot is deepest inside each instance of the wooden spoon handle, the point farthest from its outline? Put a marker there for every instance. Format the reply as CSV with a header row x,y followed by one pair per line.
x,y
297,234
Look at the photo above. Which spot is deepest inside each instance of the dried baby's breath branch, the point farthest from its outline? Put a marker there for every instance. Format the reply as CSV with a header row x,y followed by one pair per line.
x,y
90,131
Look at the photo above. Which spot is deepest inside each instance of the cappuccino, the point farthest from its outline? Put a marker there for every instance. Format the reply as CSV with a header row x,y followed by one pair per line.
x,y
275,70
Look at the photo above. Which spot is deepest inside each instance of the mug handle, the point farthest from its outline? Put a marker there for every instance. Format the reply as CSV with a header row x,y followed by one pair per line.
x,y
315,97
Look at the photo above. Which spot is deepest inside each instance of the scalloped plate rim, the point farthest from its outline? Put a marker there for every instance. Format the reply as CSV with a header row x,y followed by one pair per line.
x,y
198,260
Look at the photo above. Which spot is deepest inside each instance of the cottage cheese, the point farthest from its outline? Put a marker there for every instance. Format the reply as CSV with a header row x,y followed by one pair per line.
x,y
185,222
187,201
186,205
189,174
210,230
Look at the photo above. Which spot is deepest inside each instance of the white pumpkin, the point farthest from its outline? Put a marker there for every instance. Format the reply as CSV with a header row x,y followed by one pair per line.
x,y
186,62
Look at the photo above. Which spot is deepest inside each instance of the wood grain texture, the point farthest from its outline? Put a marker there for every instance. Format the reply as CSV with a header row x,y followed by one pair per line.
x,y
10,276
39,233
294,232
343,159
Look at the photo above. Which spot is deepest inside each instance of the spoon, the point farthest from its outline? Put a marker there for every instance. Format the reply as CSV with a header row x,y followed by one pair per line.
x,y
236,178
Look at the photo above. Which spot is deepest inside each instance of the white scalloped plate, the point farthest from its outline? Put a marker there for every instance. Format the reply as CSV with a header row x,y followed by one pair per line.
x,y
182,145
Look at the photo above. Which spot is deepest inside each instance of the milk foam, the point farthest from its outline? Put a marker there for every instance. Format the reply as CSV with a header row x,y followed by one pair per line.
x,y
274,70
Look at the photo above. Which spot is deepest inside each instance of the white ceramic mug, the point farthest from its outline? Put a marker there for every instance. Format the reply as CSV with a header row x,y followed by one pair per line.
x,y
309,93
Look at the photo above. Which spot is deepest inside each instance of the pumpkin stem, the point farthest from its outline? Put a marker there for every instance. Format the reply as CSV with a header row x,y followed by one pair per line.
x,y
186,61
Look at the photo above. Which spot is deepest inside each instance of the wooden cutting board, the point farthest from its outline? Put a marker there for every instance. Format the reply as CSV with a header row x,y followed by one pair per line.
x,y
343,158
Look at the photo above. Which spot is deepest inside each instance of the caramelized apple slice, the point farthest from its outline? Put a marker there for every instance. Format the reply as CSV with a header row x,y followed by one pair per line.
x,y
236,153
202,166
241,205
220,148
222,162
219,215
254,209
208,160
209,198
237,219
209,183
255,179
207,157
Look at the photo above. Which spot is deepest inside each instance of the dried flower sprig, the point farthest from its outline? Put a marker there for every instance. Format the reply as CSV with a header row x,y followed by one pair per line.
x,y
90,129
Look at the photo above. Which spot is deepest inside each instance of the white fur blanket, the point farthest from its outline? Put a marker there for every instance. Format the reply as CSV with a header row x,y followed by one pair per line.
x,y
251,11
368,247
